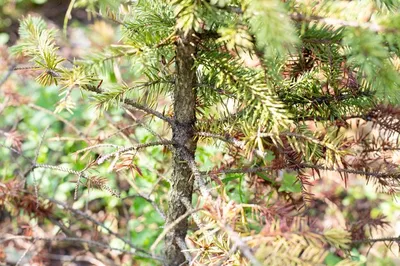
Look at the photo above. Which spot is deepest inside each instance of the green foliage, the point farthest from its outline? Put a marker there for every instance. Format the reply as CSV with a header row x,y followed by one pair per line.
x,y
271,26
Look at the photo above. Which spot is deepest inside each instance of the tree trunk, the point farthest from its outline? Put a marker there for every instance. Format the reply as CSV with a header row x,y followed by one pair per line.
x,y
183,134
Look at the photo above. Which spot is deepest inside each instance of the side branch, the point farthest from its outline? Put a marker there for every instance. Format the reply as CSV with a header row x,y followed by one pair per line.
x,y
375,240
102,159
304,166
94,221
341,23
77,239
129,103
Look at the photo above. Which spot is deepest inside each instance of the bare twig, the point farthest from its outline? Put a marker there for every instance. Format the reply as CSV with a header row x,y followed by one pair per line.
x,y
147,127
58,168
58,117
129,103
155,206
245,170
170,227
231,140
76,258
375,240
17,152
101,145
304,166
351,171
135,147
244,248
40,144
25,252
118,131
342,23
182,245
329,21
196,173
7,75
80,240
91,219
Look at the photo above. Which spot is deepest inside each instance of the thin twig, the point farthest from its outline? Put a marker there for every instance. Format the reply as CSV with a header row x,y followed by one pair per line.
x,y
58,168
342,23
231,140
25,252
109,18
7,75
170,227
118,131
147,127
250,170
40,144
244,248
182,245
101,145
245,170
103,158
155,206
58,117
196,173
17,152
91,219
80,240
129,103
375,240
350,171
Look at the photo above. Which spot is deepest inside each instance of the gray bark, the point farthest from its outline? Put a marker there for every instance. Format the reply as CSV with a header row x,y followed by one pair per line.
x,y
183,135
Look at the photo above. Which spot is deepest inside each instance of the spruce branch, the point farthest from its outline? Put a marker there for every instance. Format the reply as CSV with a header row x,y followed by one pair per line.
x,y
118,131
245,170
195,172
79,240
96,146
35,161
234,236
143,124
300,136
7,75
58,117
94,221
170,227
342,23
251,170
135,147
57,168
25,252
182,245
328,21
390,175
129,103
147,198
231,140
375,240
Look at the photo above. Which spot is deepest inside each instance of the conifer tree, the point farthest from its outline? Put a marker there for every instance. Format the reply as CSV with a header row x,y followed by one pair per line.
x,y
274,84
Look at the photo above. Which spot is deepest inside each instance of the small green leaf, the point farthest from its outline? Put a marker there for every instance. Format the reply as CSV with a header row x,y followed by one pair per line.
x,y
290,184
332,259
230,178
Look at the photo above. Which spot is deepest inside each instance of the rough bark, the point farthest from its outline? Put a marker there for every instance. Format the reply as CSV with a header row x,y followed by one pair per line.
x,y
183,136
